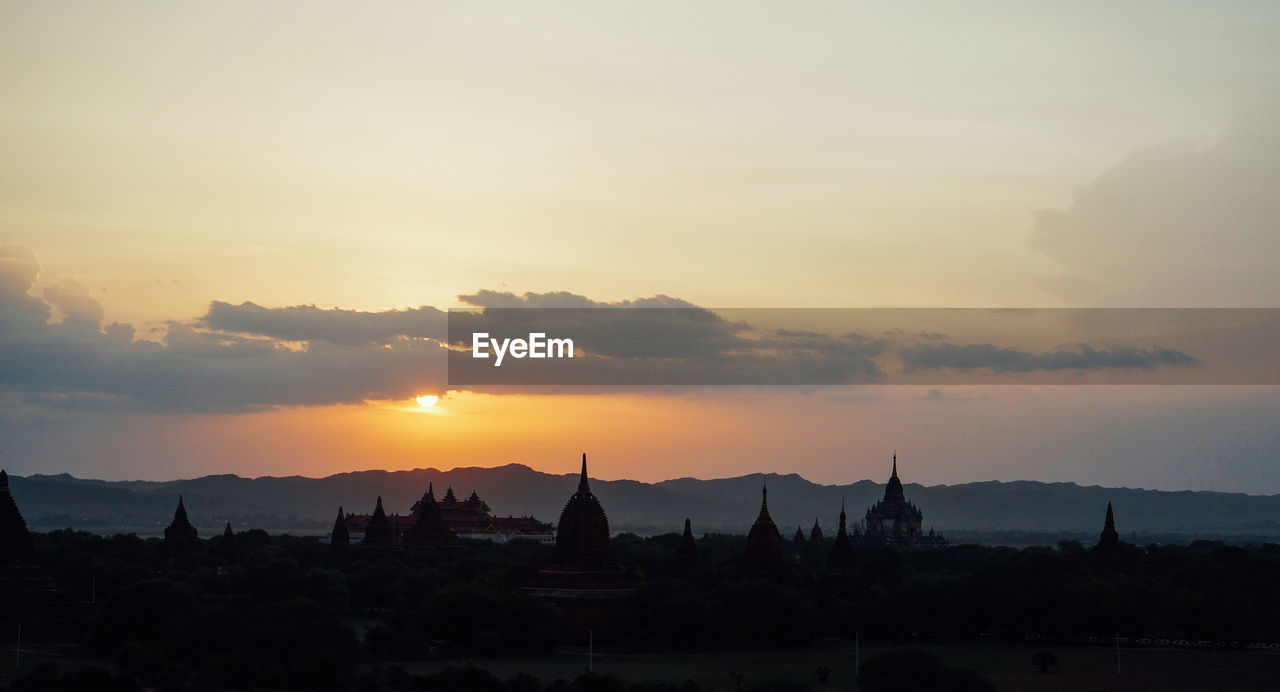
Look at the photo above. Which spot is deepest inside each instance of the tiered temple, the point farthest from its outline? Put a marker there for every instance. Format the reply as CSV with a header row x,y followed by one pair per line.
x,y
841,561
896,522
378,532
180,534
341,537
687,551
764,543
582,573
1109,540
429,529
15,542
432,522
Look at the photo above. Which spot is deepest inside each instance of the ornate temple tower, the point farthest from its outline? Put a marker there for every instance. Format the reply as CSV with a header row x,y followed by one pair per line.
x,y
430,531
764,543
583,577
341,536
378,532
582,536
841,561
894,521
1110,538
180,533
687,552
15,542
815,534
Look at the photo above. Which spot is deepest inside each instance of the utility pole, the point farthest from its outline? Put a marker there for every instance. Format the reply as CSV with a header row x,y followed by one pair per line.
x,y
1117,653
857,653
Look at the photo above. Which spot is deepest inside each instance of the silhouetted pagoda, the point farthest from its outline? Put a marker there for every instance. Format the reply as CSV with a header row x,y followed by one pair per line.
x,y
582,536
15,541
896,522
841,561
815,535
687,552
180,534
429,530
1109,541
378,533
227,532
28,596
582,574
764,543
799,539
341,536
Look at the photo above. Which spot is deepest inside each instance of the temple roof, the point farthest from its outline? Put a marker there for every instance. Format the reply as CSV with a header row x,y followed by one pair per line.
x,y
341,534
764,539
180,531
378,532
893,489
15,541
816,533
430,528
688,550
1109,538
841,557
582,536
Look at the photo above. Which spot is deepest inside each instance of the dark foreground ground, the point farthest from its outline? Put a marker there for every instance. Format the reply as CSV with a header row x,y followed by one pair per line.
x,y
1008,666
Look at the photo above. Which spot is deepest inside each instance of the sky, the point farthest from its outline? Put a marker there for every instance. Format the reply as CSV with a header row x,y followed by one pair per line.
x,y
228,231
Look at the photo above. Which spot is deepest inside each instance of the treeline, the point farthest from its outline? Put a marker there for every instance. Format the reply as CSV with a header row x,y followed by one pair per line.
x,y
254,610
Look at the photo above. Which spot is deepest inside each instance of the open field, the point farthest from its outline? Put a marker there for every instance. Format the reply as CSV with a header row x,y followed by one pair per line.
x,y
1006,665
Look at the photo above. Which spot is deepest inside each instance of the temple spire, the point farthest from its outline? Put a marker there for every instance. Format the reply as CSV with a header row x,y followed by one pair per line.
x,y
341,535
583,486
180,533
895,465
1109,539
15,541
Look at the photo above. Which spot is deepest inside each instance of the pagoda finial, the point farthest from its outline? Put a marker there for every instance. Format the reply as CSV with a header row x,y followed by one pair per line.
x,y
431,493
1111,519
583,486
764,499
4,479
895,464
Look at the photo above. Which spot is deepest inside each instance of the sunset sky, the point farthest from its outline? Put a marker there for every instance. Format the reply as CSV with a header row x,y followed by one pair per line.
x,y
162,165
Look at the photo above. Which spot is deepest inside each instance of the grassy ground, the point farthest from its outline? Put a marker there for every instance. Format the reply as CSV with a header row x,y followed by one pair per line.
x,y
1006,665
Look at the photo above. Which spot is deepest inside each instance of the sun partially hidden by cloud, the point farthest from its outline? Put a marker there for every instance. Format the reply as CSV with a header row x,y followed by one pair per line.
x,y
427,400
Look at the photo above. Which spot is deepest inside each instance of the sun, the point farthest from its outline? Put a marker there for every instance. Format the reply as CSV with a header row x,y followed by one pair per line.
x,y
428,400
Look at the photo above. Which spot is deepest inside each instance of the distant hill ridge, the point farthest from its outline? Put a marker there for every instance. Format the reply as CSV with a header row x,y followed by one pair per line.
x,y
724,505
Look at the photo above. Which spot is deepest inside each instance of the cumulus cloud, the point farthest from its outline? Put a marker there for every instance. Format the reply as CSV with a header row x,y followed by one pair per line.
x,y
56,352
78,364
653,341
335,326
966,357
1176,225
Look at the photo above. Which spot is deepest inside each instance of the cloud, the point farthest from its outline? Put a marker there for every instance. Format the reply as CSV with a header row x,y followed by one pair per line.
x,y
77,364
966,357
652,341
309,323
1176,225
247,357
